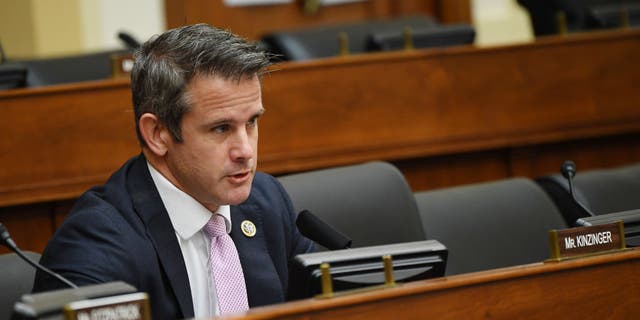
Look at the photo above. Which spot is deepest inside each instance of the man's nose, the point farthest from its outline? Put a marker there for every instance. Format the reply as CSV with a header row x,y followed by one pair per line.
x,y
242,148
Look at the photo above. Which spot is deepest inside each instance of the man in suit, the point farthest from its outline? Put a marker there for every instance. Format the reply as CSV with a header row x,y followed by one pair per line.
x,y
197,99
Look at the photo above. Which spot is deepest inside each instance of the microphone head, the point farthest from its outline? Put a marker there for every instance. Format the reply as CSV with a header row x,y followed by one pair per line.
x,y
568,169
5,238
4,233
130,42
321,232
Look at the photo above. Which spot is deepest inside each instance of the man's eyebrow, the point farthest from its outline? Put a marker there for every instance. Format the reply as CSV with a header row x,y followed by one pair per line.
x,y
259,113
218,122
228,120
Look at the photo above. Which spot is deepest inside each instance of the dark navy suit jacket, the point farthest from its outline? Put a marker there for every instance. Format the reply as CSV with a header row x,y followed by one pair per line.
x,y
121,231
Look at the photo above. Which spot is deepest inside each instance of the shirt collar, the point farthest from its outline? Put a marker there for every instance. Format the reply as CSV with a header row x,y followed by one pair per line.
x,y
187,215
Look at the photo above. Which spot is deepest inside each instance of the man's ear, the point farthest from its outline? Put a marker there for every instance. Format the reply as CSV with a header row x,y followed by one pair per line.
x,y
154,133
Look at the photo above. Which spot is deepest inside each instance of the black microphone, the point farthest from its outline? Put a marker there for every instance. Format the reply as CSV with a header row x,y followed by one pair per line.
x,y
321,232
3,57
129,41
568,170
9,243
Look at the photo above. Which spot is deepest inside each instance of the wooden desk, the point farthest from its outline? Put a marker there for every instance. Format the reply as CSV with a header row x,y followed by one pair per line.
x,y
62,139
602,287
505,111
444,117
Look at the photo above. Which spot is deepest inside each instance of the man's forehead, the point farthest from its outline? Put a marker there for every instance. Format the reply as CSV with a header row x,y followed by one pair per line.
x,y
224,78
216,88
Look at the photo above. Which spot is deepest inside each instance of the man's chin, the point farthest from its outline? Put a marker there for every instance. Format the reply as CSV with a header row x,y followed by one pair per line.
x,y
239,195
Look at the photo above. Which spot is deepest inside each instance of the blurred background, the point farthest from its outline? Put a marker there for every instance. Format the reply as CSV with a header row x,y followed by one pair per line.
x,y
41,28
522,86
44,28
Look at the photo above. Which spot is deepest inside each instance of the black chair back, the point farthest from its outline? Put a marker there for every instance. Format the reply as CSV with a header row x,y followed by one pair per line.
x,y
490,225
371,203
16,279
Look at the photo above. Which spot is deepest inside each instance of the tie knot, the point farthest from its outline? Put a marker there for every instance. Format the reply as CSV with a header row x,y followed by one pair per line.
x,y
215,227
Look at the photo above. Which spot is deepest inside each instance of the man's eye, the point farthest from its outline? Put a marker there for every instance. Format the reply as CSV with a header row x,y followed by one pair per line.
x,y
253,121
221,128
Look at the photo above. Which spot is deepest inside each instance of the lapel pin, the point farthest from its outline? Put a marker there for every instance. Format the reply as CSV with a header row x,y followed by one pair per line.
x,y
248,228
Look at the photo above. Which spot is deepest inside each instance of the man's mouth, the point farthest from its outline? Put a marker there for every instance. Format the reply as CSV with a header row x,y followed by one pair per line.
x,y
240,177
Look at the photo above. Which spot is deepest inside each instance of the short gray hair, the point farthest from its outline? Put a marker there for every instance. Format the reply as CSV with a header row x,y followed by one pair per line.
x,y
165,65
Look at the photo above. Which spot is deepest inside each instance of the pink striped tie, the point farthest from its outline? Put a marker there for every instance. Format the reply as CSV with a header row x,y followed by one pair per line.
x,y
225,266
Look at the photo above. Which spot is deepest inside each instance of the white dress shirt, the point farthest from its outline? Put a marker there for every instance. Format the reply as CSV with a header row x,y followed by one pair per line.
x,y
188,217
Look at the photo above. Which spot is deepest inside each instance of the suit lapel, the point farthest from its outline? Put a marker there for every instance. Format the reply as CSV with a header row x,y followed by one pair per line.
x,y
262,280
149,207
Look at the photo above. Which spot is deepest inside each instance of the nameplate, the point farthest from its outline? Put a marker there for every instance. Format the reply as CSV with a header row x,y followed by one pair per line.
x,y
584,241
121,65
133,306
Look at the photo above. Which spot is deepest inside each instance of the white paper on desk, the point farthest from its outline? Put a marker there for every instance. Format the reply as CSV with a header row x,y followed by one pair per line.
x,y
238,3
330,2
